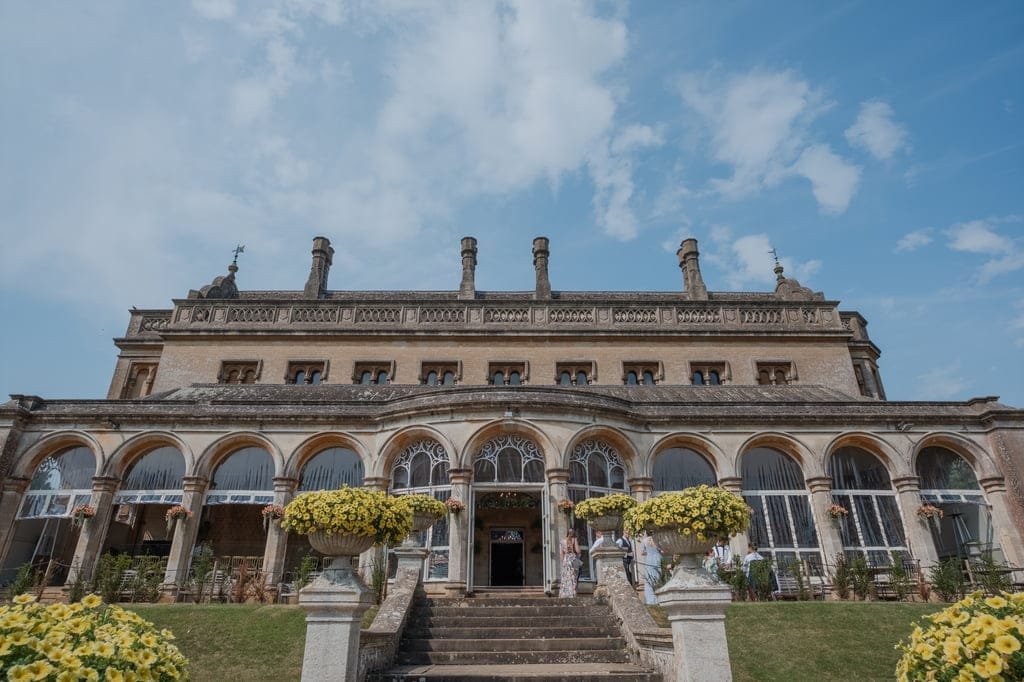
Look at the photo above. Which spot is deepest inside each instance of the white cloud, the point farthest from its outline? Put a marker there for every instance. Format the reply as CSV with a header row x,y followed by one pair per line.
x,y
912,241
942,383
759,124
215,9
876,131
833,180
747,260
1005,254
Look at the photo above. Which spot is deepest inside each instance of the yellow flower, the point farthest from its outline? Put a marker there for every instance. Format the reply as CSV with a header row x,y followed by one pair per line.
x,y
20,673
114,675
1006,644
91,601
996,602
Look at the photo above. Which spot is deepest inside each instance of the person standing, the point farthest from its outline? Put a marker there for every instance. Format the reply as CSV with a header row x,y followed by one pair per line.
x,y
723,553
650,557
626,543
711,563
569,550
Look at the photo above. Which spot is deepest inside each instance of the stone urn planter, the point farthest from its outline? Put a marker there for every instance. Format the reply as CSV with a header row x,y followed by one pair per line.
x,y
688,548
341,548
606,524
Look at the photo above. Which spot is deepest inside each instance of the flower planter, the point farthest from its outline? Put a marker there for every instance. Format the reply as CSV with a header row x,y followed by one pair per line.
x,y
421,522
606,524
688,548
340,545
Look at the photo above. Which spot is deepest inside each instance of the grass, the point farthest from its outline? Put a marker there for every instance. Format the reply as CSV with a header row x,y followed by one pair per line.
x,y
767,641
249,642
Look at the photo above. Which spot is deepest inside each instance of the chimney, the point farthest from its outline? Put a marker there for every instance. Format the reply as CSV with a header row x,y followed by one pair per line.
x,y
467,289
689,261
323,254
540,264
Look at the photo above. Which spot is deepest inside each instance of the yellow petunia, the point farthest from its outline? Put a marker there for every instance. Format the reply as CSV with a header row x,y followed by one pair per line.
x,y
1006,644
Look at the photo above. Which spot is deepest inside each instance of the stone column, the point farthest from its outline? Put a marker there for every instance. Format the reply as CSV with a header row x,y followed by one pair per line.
x,y
641,488
277,539
608,557
334,604
184,539
558,490
376,553
94,531
1010,540
829,540
737,543
918,532
695,603
458,533
10,502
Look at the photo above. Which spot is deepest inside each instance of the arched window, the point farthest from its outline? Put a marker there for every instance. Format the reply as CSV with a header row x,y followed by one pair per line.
x,y
595,470
782,523
631,379
432,378
949,483
366,378
314,378
565,379
330,469
648,378
509,459
697,379
713,378
860,484
498,379
300,377
449,378
514,379
581,379
154,478
382,377
61,482
680,468
423,468
246,476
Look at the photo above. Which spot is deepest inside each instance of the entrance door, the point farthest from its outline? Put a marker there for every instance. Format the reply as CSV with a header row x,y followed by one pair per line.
x,y
507,557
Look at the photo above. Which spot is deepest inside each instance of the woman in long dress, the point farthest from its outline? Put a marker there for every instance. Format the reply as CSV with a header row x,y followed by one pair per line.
x,y
569,549
650,557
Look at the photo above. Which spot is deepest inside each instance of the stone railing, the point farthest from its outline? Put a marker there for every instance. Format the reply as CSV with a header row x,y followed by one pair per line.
x,y
554,316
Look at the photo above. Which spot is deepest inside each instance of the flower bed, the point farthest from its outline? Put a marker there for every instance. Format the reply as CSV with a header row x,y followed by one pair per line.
x,y
610,505
976,638
702,511
85,640
350,511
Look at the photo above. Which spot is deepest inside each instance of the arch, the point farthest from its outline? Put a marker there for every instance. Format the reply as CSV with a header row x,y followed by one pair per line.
x,y
319,442
785,443
616,438
509,458
225,445
321,471
421,464
53,443
405,437
680,455
852,467
501,427
976,456
596,464
719,461
894,461
138,445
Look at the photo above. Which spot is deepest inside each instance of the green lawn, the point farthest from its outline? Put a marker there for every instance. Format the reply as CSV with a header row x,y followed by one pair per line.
x,y
767,641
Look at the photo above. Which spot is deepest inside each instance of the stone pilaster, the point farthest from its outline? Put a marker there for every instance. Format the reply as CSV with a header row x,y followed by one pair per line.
x,y
829,540
376,553
94,531
642,487
277,538
458,532
184,539
1010,539
558,490
737,543
917,530
10,502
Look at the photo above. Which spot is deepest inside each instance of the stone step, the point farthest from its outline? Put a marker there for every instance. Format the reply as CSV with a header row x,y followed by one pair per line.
x,y
508,621
564,657
490,602
504,645
580,672
574,612
460,631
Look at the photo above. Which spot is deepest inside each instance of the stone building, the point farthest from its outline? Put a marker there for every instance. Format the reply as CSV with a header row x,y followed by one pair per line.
x,y
511,402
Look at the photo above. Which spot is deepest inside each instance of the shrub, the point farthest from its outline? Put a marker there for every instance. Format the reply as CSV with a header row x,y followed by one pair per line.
x,y
975,638
988,577
841,577
307,567
947,579
861,579
899,579
202,570
761,579
23,580
84,640
109,575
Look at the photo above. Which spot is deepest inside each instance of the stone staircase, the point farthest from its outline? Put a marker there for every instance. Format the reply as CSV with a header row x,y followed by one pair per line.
x,y
513,637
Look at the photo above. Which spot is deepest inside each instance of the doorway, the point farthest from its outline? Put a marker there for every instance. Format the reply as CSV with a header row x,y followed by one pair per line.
x,y
507,557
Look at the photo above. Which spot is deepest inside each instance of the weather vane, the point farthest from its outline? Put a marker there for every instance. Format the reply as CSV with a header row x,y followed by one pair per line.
x,y
775,255
238,249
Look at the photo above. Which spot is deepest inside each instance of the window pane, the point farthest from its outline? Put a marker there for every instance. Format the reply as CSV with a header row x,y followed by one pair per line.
x,y
868,521
768,469
856,469
498,379
565,379
533,472
577,473
803,521
631,379
942,469
160,469
449,379
330,469
510,465
69,470
891,521
713,378
758,528
439,474
597,469
431,378
847,526
382,378
246,469
779,521
366,378
483,471
314,378
300,377
679,468
514,379
581,379
419,470
698,379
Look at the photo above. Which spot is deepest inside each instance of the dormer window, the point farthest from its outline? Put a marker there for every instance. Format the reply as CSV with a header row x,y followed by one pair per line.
x,y
239,371
775,373
642,373
580,373
306,372
440,373
709,373
508,373
378,372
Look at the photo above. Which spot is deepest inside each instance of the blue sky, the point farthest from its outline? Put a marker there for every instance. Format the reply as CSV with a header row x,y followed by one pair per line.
x,y
878,147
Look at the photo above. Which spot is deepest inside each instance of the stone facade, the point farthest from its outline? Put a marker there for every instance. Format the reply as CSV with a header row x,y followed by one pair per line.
x,y
793,375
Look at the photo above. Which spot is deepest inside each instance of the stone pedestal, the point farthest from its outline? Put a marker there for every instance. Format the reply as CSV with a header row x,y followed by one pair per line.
x,y
334,604
607,557
696,602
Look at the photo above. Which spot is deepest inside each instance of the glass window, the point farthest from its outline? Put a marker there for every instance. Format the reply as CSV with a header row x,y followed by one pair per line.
x,y
422,468
679,468
861,485
648,379
514,379
595,470
498,379
331,469
366,378
382,377
71,469
773,486
250,468
431,378
713,378
159,469
314,378
948,481
565,379
631,379
581,379
449,378
300,377
698,379
509,459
